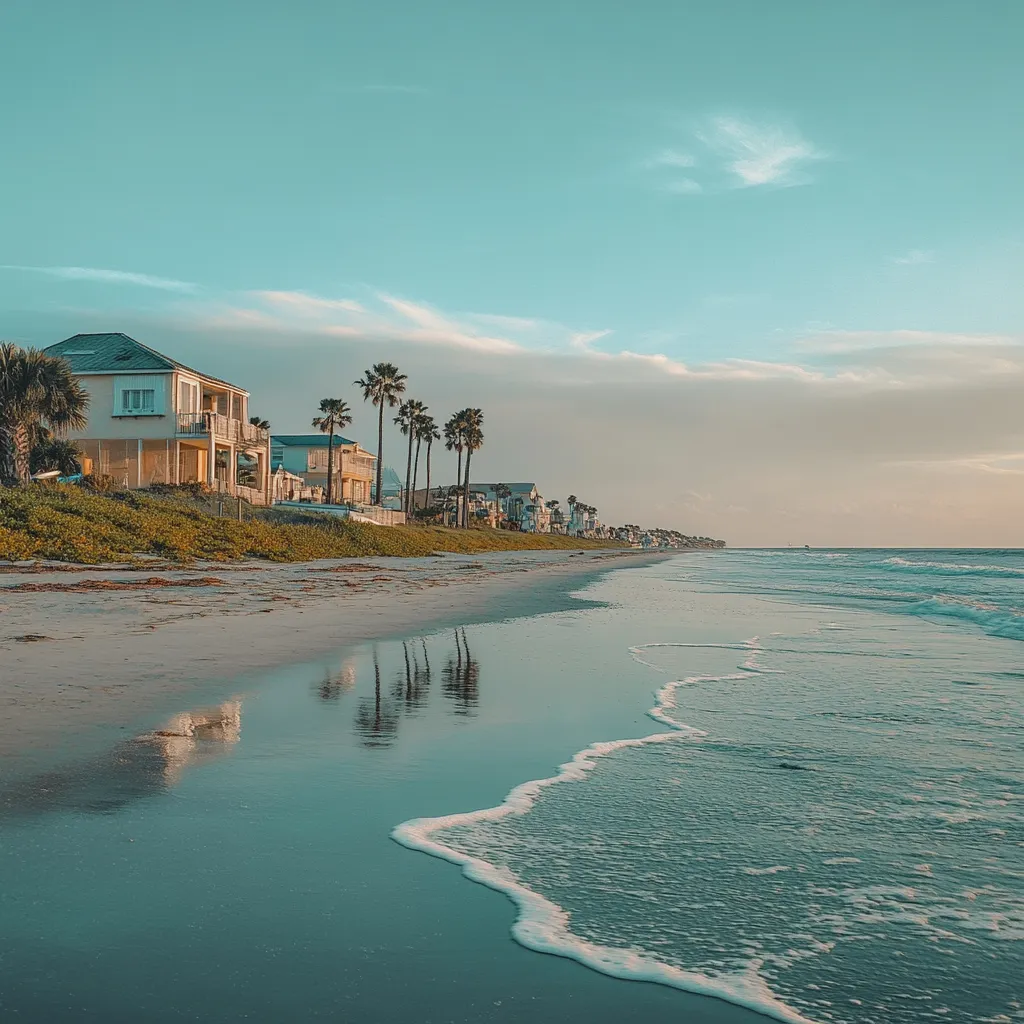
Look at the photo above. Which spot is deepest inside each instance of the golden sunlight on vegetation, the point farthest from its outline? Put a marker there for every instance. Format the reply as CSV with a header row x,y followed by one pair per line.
x,y
70,524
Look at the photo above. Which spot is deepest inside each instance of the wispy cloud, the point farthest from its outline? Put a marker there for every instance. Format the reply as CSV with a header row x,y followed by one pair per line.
x,y
735,153
835,341
760,154
822,358
101,276
1005,464
309,305
914,257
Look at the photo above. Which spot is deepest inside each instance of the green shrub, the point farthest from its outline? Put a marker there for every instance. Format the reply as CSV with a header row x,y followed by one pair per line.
x,y
77,524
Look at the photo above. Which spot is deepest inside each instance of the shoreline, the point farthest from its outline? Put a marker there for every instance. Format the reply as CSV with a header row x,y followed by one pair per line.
x,y
543,926
93,654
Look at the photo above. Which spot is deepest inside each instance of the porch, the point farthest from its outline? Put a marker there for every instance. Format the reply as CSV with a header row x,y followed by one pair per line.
x,y
238,470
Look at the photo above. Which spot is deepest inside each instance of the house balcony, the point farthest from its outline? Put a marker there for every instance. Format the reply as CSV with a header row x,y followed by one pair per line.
x,y
223,428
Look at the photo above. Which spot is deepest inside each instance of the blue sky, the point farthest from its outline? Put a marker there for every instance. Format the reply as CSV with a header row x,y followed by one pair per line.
x,y
744,190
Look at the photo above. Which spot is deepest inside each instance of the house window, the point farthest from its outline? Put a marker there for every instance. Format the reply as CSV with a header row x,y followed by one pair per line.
x,y
188,397
138,401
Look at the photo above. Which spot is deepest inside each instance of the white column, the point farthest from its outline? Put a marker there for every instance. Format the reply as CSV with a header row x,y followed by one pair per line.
x,y
211,450
138,467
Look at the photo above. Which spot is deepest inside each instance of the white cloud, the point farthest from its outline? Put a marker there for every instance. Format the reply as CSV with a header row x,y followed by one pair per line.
x,y
760,154
739,154
309,305
1000,464
109,277
845,359
836,341
914,258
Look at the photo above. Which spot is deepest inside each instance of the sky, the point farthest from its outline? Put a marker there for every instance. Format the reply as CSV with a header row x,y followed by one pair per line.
x,y
746,270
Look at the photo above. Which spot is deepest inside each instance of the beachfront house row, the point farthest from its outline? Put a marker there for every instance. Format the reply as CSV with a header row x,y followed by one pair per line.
x,y
153,420
305,455
524,506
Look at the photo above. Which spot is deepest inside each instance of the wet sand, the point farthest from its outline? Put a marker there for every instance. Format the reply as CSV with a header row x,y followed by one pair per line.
x,y
88,653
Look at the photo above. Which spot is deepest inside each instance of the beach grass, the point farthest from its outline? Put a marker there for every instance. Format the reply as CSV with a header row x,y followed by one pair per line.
x,y
72,524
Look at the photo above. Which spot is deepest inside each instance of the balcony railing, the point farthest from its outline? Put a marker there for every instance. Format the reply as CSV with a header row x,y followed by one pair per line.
x,y
200,424
192,424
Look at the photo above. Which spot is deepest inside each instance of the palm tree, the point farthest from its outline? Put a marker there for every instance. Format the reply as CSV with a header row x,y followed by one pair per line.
x,y
259,423
37,391
472,438
501,493
423,421
450,496
334,415
431,434
56,453
453,439
408,414
381,384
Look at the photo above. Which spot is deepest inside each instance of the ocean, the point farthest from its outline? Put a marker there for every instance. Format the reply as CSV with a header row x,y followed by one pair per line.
x,y
791,787
828,827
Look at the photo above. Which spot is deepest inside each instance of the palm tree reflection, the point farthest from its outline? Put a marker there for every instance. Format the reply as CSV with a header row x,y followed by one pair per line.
x,y
461,678
412,685
376,720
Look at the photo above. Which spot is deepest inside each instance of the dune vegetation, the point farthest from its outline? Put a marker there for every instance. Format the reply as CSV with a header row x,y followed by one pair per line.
x,y
73,524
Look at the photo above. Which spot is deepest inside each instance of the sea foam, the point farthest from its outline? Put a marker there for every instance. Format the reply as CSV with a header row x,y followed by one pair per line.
x,y
543,925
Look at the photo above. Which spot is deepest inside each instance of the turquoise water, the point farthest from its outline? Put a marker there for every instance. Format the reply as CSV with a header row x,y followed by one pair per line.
x,y
829,825
822,821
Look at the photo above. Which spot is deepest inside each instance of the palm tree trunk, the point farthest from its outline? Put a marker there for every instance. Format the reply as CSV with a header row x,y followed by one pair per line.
x,y
465,491
330,468
22,447
430,442
380,452
458,483
8,471
415,472
408,473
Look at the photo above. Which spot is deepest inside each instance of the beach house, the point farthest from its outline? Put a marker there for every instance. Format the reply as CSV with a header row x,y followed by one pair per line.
x,y
523,507
153,420
305,455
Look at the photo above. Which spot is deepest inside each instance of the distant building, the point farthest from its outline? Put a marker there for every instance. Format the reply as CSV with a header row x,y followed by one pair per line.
x,y
153,420
285,486
524,507
391,487
305,455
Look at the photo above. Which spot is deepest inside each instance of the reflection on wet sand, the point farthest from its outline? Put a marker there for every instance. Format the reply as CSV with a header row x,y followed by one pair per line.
x,y
145,766
413,685
461,678
334,685
377,719
195,737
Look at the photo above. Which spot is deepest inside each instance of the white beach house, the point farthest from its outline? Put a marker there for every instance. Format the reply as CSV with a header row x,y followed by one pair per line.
x,y
153,420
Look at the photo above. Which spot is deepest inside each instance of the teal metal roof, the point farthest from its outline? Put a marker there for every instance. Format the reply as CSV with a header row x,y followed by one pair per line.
x,y
118,353
306,440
